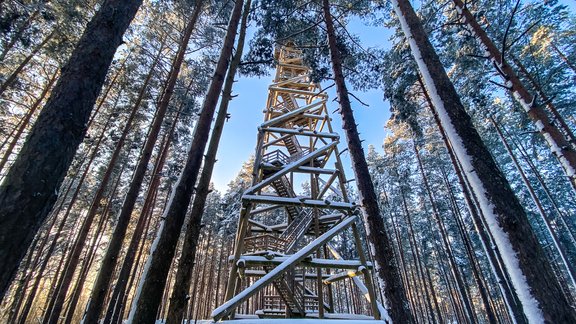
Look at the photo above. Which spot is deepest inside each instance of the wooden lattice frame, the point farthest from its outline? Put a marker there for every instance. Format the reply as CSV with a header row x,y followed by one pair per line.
x,y
295,139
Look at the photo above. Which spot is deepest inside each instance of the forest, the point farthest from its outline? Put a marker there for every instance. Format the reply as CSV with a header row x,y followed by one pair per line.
x,y
111,117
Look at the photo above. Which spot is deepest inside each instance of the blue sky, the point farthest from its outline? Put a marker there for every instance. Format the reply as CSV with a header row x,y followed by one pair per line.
x,y
239,137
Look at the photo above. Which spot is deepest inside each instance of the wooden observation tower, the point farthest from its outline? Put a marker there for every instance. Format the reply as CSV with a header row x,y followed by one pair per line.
x,y
286,262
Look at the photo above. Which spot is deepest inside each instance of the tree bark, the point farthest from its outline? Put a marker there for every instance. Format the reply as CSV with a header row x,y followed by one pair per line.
x,y
153,281
104,95
54,218
54,241
30,188
13,309
534,277
379,242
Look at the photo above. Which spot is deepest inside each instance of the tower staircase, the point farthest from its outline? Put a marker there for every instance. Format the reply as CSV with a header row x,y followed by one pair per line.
x,y
270,274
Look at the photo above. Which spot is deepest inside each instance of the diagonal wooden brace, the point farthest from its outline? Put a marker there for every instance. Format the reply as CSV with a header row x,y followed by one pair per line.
x,y
231,304
289,167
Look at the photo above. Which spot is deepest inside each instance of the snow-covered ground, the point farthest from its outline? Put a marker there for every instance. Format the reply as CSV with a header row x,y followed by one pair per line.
x,y
287,321
332,318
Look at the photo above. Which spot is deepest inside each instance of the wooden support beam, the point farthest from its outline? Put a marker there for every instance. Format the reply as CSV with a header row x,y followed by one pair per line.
x,y
282,118
295,79
254,260
261,273
294,66
362,287
302,169
312,116
307,169
289,167
324,220
284,266
302,132
334,190
328,185
304,202
264,209
341,276
299,92
276,140
265,227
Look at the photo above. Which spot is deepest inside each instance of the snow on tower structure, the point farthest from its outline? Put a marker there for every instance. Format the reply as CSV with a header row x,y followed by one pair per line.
x,y
286,262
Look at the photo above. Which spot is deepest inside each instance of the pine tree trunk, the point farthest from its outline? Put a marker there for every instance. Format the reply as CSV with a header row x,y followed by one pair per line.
x,y
533,277
100,230
7,136
558,143
100,287
416,252
26,120
433,293
12,77
122,299
21,29
77,249
153,281
210,284
563,57
124,294
53,244
59,277
196,270
54,218
488,311
104,95
401,262
202,284
562,216
54,281
469,310
547,101
178,299
42,240
110,258
414,287
509,295
454,302
137,236
379,241
560,248
30,188
13,309
219,271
